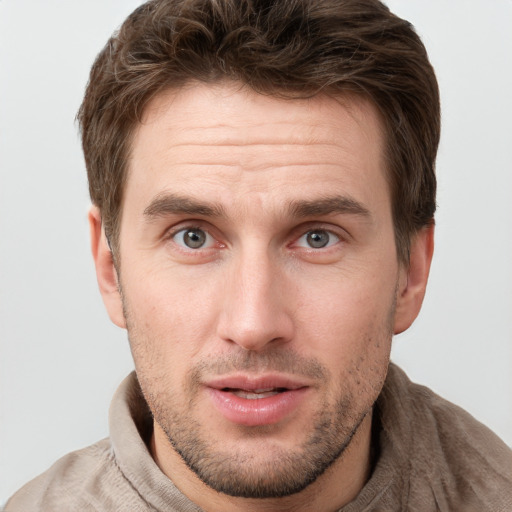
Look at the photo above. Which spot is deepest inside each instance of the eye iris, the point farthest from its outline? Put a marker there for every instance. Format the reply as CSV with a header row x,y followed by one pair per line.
x,y
318,239
194,238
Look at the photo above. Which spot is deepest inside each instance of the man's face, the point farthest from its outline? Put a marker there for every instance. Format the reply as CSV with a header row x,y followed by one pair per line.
x,y
259,280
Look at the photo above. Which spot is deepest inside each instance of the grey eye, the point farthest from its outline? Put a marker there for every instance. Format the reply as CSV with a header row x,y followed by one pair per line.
x,y
192,238
318,239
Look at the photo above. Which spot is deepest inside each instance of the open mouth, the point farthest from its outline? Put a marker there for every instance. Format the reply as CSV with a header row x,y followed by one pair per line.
x,y
255,394
266,402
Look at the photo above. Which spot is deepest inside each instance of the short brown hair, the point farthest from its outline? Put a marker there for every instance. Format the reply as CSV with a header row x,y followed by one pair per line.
x,y
286,48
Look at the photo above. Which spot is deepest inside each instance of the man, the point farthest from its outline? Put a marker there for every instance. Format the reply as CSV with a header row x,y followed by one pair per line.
x,y
263,185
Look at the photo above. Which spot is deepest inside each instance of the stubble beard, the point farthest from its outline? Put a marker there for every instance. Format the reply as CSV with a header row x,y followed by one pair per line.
x,y
242,473
246,474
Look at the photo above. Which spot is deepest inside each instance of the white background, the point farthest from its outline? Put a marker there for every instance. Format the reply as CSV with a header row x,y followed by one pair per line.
x,y
61,359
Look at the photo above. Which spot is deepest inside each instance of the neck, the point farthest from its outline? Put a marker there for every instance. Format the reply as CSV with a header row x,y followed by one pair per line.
x,y
336,487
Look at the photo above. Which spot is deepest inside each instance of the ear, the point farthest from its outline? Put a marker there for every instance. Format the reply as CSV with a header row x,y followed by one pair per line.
x,y
413,279
106,272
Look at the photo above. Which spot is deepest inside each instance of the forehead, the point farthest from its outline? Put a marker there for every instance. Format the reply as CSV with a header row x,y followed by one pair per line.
x,y
243,115
228,136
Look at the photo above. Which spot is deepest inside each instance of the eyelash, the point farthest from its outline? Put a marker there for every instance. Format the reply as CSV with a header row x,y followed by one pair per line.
x,y
302,232
191,229
329,243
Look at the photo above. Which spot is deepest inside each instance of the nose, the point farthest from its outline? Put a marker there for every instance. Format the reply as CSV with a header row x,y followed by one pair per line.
x,y
256,305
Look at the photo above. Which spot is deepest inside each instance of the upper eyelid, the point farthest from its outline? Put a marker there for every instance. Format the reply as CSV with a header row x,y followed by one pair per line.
x,y
295,233
331,232
188,224
339,231
171,233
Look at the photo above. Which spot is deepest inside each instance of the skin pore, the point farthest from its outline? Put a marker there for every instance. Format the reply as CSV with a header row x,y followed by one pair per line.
x,y
260,287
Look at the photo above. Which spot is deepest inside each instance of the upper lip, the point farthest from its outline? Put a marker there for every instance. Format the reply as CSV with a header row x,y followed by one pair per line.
x,y
255,382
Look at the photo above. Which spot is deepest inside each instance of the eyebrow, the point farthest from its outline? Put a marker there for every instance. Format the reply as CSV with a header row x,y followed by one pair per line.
x,y
168,204
328,206
173,204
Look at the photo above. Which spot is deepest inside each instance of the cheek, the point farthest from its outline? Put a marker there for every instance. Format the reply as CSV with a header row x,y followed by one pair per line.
x,y
167,325
349,325
171,303
356,350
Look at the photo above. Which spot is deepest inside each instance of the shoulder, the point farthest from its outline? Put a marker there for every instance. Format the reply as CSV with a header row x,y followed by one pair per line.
x,y
74,483
456,457
465,442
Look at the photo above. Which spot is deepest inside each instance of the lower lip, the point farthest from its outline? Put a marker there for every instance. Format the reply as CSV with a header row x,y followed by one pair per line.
x,y
259,411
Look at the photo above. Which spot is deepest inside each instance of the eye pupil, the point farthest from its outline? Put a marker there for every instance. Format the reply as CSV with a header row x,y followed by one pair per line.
x,y
194,238
318,239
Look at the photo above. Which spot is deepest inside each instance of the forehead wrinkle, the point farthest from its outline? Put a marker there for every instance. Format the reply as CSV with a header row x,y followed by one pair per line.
x,y
244,136
248,143
243,129
260,151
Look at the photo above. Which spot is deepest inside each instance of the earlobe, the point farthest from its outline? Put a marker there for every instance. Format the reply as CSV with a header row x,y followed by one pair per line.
x,y
106,272
413,280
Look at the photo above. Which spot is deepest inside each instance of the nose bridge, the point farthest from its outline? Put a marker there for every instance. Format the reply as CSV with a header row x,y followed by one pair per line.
x,y
255,310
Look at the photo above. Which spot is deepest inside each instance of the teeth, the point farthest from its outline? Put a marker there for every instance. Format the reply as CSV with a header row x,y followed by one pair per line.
x,y
254,395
